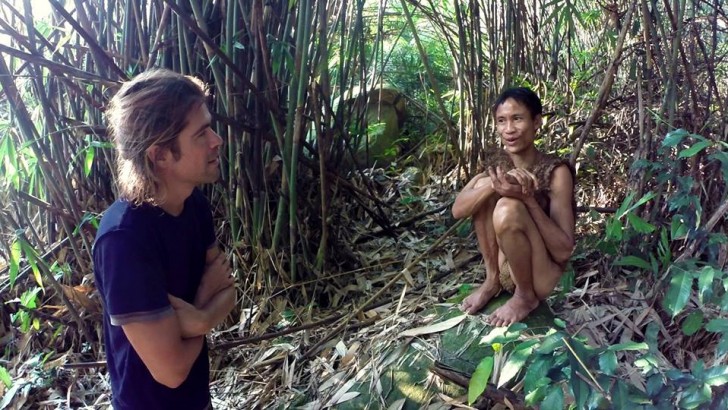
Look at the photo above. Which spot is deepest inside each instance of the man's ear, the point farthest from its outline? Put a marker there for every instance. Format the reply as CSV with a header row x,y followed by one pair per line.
x,y
538,121
158,155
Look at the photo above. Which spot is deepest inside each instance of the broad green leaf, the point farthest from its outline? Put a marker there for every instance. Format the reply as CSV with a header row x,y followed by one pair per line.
x,y
674,137
631,260
692,151
551,343
692,323
624,206
705,283
15,255
555,398
480,378
515,363
717,325
33,259
694,396
614,229
536,372
608,362
681,284
716,376
536,396
628,346
722,348
678,229
5,377
639,224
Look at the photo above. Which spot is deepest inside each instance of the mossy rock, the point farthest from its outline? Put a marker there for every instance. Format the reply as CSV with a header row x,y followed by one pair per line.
x,y
409,377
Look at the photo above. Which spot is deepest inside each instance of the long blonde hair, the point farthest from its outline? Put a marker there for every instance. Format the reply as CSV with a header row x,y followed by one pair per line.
x,y
150,109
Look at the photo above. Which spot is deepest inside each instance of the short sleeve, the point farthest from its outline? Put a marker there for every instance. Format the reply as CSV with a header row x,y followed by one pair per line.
x,y
132,282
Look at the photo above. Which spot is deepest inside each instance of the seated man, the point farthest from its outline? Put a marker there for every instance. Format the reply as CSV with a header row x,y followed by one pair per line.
x,y
523,213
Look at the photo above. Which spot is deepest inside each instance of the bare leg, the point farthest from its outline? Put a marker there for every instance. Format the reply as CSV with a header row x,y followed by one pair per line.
x,y
521,242
488,246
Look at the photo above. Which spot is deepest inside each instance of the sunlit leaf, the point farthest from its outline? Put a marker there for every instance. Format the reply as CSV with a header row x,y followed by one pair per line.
x,y
692,323
705,283
88,161
716,376
5,377
628,346
694,396
639,224
515,362
480,378
692,151
15,255
678,294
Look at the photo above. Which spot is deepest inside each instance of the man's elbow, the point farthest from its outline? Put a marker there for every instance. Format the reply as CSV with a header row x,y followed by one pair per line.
x,y
458,211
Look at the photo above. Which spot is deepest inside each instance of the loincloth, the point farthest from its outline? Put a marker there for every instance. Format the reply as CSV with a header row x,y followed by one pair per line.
x,y
505,279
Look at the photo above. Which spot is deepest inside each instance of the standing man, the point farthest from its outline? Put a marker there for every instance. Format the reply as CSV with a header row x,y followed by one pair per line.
x,y
162,278
523,213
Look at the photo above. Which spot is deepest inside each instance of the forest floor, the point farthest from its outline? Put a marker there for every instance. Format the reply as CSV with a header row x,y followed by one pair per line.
x,y
280,370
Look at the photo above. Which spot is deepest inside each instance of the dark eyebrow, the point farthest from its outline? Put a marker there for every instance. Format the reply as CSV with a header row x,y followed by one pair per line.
x,y
202,128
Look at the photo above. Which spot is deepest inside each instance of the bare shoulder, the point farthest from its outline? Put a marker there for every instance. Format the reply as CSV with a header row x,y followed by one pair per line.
x,y
562,181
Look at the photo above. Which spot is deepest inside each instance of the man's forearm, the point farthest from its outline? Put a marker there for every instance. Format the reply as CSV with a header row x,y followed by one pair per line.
x,y
219,306
559,245
471,198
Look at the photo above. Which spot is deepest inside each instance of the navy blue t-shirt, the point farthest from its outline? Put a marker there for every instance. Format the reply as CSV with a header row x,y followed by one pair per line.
x,y
140,255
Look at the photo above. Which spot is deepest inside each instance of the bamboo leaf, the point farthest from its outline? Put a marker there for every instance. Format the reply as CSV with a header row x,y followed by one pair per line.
x,y
479,380
628,346
716,376
677,296
434,328
89,161
631,260
5,377
694,150
15,255
639,224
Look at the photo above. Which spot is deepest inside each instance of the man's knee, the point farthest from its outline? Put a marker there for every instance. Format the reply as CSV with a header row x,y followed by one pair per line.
x,y
509,214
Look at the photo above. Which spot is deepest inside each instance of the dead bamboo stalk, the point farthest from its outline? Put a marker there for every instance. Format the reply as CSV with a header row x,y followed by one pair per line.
x,y
606,86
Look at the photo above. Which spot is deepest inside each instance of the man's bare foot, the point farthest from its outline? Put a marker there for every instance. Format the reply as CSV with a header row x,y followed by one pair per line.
x,y
480,297
515,310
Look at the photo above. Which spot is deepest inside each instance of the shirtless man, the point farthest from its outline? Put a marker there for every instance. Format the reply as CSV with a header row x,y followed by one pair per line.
x,y
518,231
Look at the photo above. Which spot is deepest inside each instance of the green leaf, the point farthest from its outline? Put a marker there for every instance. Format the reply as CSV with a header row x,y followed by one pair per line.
x,y
678,229
551,343
608,362
89,161
692,151
716,376
555,399
631,260
480,378
15,255
705,283
677,296
674,137
32,256
628,346
717,325
692,323
560,323
614,229
694,396
5,377
515,363
639,224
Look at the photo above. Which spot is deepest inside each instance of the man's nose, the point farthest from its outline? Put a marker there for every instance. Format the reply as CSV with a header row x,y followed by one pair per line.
x,y
216,140
509,126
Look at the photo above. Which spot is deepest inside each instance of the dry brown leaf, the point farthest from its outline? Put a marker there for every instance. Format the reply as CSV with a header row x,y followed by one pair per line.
x,y
434,328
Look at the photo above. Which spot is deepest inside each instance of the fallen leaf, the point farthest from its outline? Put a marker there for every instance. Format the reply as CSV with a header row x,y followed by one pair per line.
x,y
434,328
